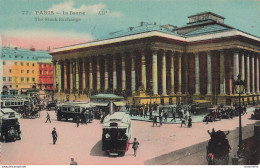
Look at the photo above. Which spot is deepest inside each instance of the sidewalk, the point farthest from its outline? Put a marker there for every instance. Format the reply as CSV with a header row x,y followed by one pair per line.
x,y
195,118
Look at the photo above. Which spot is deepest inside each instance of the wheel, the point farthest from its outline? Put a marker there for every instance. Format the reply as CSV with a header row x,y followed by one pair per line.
x,y
19,137
58,117
122,153
3,138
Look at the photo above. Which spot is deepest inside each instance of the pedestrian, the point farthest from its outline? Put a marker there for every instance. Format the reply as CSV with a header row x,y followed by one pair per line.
x,y
189,122
155,120
160,119
73,162
48,118
173,116
54,135
183,121
135,146
77,120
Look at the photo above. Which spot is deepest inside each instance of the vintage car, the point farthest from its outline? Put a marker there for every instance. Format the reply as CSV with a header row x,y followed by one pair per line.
x,y
51,105
74,110
200,106
9,125
256,114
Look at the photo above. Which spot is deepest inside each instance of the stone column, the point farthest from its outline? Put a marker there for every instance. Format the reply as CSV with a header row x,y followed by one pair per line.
x,y
84,74
72,80
248,73
235,64
90,73
143,70
106,72
243,66
172,72
98,73
77,73
133,73
253,72
209,82
257,73
123,72
114,73
164,73
155,76
59,75
197,73
222,72
179,89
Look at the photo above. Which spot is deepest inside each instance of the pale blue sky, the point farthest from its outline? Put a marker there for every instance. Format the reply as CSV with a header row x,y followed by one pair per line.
x,y
241,14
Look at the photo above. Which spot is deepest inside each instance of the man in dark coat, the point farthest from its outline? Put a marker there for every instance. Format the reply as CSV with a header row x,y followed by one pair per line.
x,y
77,119
189,122
135,146
54,135
48,118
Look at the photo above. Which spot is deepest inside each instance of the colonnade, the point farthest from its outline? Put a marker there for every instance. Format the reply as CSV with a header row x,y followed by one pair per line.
x,y
162,71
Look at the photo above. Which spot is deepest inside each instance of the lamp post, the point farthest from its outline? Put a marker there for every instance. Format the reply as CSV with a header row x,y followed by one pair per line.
x,y
239,87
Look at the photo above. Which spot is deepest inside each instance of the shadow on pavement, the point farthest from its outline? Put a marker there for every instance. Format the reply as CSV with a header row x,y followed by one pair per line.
x,y
97,150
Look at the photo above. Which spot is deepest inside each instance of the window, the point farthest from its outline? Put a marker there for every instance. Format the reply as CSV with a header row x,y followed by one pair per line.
x,y
4,78
46,72
33,64
10,79
21,63
10,56
15,63
51,72
3,62
16,86
22,79
10,70
27,79
21,56
21,71
28,64
28,71
40,72
27,57
3,55
16,56
45,65
33,71
33,79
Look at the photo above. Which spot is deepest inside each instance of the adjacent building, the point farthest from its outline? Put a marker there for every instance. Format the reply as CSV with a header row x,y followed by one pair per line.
x,y
21,68
199,60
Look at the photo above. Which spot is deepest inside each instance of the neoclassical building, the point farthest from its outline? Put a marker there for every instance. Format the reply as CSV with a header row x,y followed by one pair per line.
x,y
195,61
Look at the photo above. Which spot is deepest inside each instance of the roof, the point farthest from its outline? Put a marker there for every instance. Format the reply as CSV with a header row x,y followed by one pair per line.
x,y
10,53
202,13
106,96
207,30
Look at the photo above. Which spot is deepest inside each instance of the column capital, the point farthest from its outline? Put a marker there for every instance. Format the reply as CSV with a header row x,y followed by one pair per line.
x,y
209,52
236,50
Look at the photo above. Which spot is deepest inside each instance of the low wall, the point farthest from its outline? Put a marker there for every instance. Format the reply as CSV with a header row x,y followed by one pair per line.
x,y
196,154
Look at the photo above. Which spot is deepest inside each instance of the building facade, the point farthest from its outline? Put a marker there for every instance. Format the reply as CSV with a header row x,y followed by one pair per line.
x,y
20,68
197,61
46,76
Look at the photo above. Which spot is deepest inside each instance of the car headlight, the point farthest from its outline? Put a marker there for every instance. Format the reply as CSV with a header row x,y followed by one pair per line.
x,y
107,135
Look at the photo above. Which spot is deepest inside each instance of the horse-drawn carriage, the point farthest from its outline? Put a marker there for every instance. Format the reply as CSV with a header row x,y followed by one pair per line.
x,y
218,148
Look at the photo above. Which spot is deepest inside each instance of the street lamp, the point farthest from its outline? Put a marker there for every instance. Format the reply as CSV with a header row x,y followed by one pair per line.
x,y
239,87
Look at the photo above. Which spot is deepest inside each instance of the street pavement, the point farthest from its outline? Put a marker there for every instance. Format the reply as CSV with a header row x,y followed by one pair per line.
x,y
84,143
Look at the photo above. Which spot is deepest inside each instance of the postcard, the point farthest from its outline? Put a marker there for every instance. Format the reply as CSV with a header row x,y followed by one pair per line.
x,y
137,82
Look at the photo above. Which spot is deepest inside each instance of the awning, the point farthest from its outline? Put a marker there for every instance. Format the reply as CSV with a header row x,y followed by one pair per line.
x,y
99,103
119,103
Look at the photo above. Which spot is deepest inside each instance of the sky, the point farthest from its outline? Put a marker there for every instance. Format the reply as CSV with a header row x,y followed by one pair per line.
x,y
44,24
